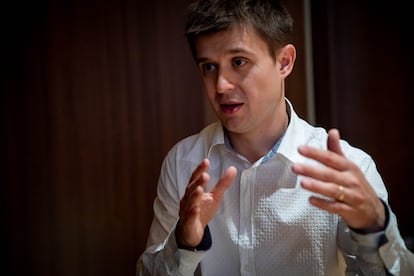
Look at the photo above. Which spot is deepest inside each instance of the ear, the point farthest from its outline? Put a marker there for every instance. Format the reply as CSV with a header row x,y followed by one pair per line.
x,y
286,57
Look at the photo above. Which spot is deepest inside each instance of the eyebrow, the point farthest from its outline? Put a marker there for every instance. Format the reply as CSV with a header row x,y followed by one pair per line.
x,y
230,52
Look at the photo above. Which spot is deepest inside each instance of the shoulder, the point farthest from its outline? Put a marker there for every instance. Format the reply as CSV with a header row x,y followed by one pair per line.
x,y
317,136
196,146
185,156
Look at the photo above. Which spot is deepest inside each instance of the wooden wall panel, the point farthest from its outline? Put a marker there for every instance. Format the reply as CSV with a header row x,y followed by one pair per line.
x,y
93,95
363,80
296,82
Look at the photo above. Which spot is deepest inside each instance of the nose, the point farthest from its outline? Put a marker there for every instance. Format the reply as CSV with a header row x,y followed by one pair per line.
x,y
223,84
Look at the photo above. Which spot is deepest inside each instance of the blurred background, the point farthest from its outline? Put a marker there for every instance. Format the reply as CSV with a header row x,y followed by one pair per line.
x,y
94,93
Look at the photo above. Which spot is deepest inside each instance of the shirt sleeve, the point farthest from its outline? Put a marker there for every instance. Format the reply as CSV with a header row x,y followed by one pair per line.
x,y
381,253
168,259
162,255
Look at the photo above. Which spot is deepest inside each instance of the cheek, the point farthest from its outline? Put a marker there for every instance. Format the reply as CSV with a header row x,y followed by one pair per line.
x,y
208,81
269,83
210,90
263,90
257,84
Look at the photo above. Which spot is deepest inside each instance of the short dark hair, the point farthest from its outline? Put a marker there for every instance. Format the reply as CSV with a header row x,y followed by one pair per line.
x,y
268,17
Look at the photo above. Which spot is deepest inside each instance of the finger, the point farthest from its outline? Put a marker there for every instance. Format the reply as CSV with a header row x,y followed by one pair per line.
x,y
332,190
194,200
195,191
224,183
335,207
326,157
193,195
198,186
202,167
196,178
320,173
333,141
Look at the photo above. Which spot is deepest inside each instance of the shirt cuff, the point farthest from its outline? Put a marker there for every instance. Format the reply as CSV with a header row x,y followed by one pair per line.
x,y
397,258
374,239
204,245
187,261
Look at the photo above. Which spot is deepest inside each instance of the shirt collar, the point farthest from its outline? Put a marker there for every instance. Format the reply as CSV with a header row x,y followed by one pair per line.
x,y
286,145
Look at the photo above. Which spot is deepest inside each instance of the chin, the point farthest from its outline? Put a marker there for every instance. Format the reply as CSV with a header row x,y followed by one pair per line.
x,y
231,126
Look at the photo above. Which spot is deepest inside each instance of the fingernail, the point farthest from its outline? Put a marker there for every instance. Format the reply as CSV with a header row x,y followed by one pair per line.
x,y
302,149
297,168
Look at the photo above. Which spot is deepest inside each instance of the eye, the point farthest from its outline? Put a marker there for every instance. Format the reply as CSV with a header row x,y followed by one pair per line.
x,y
208,67
238,62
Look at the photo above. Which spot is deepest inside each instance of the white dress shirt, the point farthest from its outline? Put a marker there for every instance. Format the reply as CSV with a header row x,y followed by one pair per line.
x,y
265,224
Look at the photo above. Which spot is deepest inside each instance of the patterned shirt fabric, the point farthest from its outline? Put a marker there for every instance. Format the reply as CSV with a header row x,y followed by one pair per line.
x,y
266,225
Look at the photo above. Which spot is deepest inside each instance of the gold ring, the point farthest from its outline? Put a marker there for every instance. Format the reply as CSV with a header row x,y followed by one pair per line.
x,y
341,193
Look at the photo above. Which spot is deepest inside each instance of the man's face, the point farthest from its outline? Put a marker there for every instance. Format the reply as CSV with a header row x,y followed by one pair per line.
x,y
242,80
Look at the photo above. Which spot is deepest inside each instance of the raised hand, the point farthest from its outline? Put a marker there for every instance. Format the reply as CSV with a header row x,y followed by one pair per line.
x,y
340,179
198,207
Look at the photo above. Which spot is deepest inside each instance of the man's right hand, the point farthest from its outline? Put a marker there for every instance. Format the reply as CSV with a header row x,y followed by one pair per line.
x,y
198,207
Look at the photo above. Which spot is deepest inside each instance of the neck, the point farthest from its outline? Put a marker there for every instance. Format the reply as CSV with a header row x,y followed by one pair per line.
x,y
256,144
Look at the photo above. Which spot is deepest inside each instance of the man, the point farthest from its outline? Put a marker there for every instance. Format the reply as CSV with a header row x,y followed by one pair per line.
x,y
262,191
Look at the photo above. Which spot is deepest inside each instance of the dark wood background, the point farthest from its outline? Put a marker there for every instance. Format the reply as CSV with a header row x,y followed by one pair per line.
x,y
363,68
94,93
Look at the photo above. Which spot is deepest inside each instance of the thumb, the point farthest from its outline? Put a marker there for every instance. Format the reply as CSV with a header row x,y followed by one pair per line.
x,y
333,141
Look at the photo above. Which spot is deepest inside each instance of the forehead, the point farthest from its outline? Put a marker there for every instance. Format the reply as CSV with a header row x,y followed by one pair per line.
x,y
239,38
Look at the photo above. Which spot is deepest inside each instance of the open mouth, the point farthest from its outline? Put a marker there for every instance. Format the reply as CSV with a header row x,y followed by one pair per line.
x,y
230,108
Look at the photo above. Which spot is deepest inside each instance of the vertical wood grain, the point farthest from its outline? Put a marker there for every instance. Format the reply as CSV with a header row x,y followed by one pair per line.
x,y
93,95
